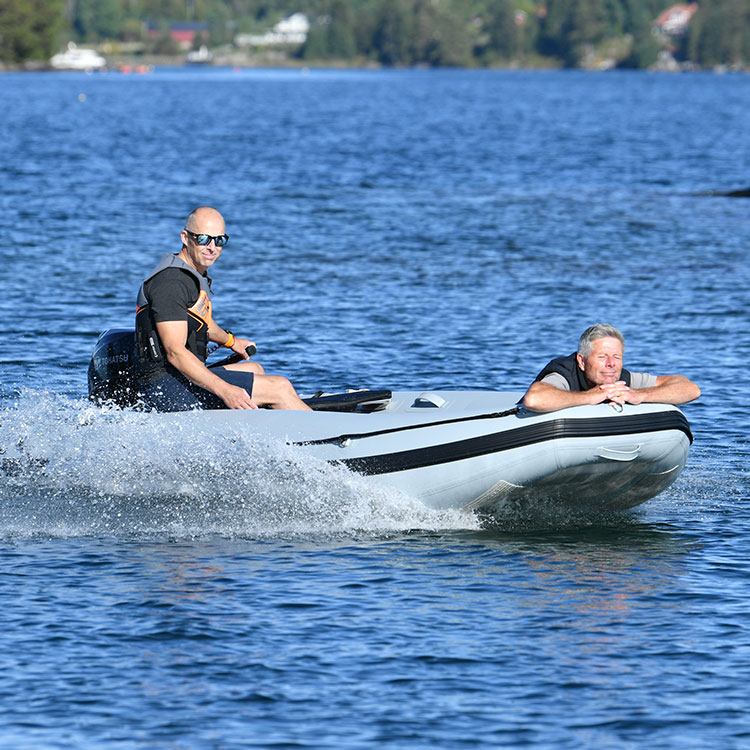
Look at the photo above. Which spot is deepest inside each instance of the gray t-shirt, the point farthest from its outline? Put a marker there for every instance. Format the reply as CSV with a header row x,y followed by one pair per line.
x,y
637,380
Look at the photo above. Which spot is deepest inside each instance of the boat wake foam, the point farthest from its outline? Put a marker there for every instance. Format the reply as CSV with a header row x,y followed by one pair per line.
x,y
68,468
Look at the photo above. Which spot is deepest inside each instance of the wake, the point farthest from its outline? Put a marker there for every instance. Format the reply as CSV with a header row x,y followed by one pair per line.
x,y
68,468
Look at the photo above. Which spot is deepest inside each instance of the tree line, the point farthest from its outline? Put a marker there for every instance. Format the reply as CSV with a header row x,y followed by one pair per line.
x,y
573,33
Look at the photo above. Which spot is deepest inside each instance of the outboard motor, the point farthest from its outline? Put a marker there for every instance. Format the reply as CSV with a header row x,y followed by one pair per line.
x,y
112,368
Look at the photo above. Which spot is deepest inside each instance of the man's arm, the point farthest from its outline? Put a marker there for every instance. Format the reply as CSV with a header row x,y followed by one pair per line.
x,y
543,396
221,337
173,334
669,389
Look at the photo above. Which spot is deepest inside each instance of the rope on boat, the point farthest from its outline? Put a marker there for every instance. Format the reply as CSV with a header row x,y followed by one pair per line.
x,y
344,439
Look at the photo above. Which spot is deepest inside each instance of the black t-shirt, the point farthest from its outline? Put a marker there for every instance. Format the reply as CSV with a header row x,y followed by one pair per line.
x,y
170,293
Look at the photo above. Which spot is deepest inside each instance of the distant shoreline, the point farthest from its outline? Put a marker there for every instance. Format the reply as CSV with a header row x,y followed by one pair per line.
x,y
133,63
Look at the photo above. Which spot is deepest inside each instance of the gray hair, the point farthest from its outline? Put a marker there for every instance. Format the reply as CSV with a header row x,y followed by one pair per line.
x,y
599,331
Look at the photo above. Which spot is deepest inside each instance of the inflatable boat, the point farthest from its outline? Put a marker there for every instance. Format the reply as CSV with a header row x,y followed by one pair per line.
x,y
472,450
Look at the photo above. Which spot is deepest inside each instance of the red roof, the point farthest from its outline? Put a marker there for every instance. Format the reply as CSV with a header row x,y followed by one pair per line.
x,y
676,18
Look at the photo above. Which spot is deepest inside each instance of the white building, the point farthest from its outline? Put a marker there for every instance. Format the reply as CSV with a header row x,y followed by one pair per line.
x,y
290,30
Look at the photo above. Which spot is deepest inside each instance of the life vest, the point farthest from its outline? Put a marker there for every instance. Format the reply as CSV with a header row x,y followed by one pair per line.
x,y
573,374
151,362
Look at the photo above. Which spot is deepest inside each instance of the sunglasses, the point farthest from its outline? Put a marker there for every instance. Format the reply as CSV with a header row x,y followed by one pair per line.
x,y
205,239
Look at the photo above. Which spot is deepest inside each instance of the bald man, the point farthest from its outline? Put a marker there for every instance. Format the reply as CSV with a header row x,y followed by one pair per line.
x,y
174,325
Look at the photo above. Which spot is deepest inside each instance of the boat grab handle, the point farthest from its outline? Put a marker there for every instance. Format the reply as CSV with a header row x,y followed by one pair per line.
x,y
614,455
428,399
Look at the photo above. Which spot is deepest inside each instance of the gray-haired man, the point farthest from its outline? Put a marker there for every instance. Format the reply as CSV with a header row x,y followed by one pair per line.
x,y
595,373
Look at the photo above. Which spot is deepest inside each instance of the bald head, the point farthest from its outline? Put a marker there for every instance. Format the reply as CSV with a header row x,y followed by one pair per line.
x,y
205,216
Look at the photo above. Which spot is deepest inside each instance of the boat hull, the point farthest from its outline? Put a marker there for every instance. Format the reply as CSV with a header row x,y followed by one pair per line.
x,y
479,451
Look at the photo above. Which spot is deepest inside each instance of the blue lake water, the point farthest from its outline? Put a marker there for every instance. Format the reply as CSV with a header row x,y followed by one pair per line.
x,y
401,229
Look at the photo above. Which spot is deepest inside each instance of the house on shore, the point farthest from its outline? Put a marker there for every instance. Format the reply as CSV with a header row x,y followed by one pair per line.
x,y
675,20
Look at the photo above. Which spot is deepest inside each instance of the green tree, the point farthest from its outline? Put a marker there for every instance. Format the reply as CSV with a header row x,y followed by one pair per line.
x,y
218,19
504,33
97,19
424,36
638,23
166,10
615,17
28,29
705,40
316,44
392,33
585,27
340,33
719,33
572,27
332,35
364,30
452,46
132,30
551,41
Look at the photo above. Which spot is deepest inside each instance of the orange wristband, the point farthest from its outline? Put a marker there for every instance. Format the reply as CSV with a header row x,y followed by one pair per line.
x,y
229,342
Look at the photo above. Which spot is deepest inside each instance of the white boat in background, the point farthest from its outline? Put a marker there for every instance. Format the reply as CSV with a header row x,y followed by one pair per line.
x,y
467,450
78,58
200,56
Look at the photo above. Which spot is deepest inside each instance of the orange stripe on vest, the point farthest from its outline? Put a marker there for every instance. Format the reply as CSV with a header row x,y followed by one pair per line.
x,y
202,308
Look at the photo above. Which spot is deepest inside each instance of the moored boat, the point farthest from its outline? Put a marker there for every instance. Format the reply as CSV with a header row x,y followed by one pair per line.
x,y
200,56
78,58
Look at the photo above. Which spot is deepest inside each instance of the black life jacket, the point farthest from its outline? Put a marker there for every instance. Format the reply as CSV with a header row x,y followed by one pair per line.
x,y
573,374
151,362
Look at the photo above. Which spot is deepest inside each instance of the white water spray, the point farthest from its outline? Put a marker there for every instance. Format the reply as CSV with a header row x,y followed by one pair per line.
x,y
71,469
